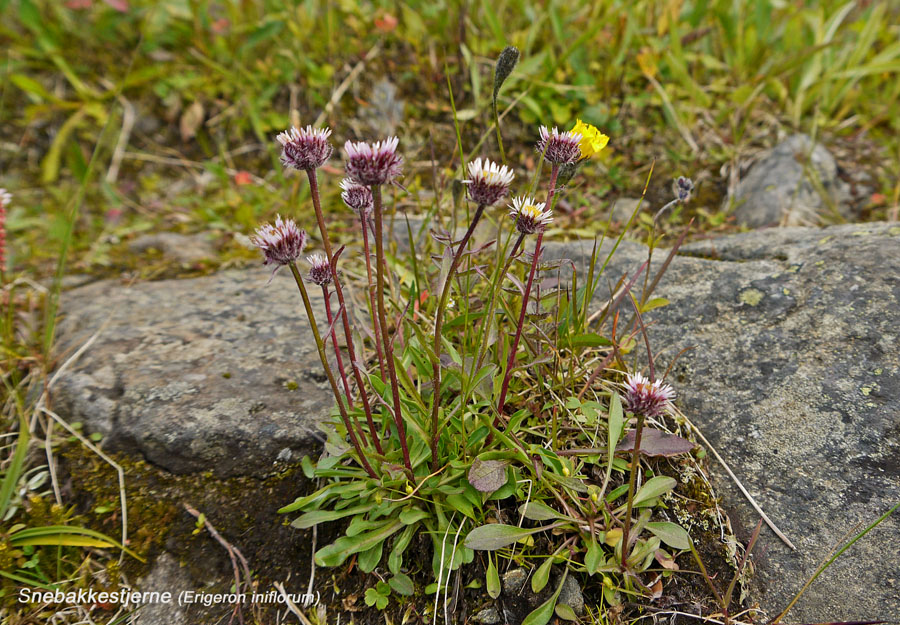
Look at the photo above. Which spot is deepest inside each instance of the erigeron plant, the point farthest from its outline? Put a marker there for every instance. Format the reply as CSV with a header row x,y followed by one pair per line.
x,y
448,422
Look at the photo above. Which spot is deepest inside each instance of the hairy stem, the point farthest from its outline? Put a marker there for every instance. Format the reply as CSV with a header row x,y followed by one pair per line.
x,y
348,335
369,294
554,172
388,347
320,346
337,351
635,463
438,325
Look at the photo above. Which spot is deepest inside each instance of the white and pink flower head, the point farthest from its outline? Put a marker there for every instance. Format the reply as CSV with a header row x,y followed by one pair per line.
x,y
281,243
371,164
319,269
305,148
559,148
356,196
642,396
530,216
488,182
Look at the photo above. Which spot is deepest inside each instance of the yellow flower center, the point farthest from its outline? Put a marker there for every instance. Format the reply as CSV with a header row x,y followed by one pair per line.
x,y
530,210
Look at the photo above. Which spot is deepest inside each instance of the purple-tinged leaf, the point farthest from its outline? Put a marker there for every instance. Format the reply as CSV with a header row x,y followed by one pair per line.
x,y
657,443
487,475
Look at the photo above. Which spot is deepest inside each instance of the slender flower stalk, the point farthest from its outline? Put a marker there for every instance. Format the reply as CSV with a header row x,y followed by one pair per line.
x,y
438,326
348,335
487,184
320,274
532,218
388,349
337,352
5,199
359,199
320,346
644,399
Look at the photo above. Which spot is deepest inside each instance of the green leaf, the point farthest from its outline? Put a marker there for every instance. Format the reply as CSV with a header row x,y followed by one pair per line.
x,y
671,534
395,558
565,612
308,469
322,516
537,511
492,579
496,536
402,584
653,488
488,475
411,515
656,302
344,547
593,557
370,558
460,503
589,340
541,575
544,612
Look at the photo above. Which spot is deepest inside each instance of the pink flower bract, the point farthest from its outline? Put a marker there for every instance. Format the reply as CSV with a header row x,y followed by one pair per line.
x,y
371,164
642,396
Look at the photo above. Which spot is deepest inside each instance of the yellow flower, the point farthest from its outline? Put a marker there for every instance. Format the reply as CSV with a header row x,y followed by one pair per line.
x,y
592,140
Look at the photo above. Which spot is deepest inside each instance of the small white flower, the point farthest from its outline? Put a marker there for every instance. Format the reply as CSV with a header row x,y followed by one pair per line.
x,y
530,216
488,182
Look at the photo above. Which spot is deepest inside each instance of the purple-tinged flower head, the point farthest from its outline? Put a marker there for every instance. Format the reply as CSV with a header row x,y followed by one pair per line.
x,y
305,148
559,148
371,164
356,196
650,399
488,182
319,269
683,188
281,244
530,216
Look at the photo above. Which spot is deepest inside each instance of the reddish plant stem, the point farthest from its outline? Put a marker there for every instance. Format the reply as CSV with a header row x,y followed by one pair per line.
x,y
438,325
382,319
534,262
369,295
320,346
326,243
337,352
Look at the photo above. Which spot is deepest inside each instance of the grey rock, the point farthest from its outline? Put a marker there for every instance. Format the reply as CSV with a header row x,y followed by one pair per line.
x,y
795,380
571,596
196,374
514,581
794,184
623,208
488,616
182,248
165,576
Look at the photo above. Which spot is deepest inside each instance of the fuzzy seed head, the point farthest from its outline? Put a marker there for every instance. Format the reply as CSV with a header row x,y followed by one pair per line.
x,y
530,216
356,196
683,188
306,148
488,182
319,269
371,164
5,198
281,243
559,148
650,399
